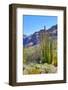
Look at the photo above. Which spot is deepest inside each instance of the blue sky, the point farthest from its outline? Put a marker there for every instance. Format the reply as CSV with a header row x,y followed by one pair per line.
x,y
33,23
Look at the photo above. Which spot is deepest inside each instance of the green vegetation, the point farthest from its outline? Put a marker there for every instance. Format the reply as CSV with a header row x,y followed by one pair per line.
x,y
41,58
48,50
39,68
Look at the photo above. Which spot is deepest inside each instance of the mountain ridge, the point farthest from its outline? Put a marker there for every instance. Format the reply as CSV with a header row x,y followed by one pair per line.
x,y
33,39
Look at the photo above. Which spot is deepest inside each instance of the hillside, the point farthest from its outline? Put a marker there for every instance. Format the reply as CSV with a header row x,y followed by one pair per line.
x,y
34,39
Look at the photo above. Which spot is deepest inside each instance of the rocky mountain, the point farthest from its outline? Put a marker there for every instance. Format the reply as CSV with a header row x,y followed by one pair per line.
x,y
34,39
24,36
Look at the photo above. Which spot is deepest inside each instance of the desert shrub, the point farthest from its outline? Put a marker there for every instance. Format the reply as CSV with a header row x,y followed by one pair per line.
x,y
39,69
31,70
24,55
32,54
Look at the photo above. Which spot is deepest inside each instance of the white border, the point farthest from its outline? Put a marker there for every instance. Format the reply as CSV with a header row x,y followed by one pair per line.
x,y
42,77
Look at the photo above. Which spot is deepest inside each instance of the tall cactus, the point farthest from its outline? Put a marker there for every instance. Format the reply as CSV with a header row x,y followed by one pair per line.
x,y
51,51
46,48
